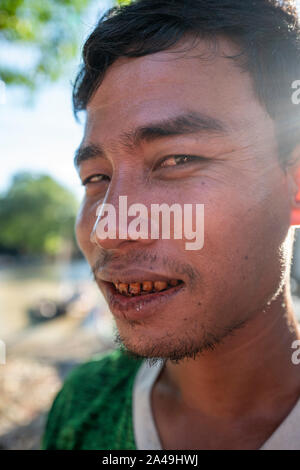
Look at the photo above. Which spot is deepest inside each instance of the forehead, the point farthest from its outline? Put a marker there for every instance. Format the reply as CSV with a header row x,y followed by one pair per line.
x,y
135,91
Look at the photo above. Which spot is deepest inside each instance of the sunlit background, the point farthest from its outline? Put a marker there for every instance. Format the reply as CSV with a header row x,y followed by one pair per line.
x,y
51,315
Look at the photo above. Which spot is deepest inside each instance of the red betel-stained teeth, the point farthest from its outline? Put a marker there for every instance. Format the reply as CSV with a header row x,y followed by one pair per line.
x,y
160,285
122,288
138,288
134,288
147,286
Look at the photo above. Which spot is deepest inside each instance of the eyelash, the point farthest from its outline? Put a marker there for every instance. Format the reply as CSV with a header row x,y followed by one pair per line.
x,y
190,158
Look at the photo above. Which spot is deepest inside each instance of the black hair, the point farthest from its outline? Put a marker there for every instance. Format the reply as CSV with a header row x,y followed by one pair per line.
x,y
266,31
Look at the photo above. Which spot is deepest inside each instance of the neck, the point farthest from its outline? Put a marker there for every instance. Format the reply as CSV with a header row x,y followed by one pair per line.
x,y
247,370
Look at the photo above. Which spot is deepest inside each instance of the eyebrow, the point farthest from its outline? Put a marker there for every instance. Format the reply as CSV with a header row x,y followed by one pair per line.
x,y
87,152
184,124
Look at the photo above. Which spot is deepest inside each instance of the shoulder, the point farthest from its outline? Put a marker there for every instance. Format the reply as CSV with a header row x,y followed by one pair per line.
x,y
94,404
113,366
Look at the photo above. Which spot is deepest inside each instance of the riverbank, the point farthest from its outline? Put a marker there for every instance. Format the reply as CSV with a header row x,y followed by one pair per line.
x,y
37,363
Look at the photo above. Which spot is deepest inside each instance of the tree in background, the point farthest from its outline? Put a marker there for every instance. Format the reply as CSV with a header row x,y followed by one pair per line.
x,y
37,216
50,30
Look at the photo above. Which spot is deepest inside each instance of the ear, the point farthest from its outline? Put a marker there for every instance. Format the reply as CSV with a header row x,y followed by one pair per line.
x,y
294,175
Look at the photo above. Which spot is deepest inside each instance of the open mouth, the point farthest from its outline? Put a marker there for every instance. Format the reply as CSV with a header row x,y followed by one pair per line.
x,y
134,289
140,299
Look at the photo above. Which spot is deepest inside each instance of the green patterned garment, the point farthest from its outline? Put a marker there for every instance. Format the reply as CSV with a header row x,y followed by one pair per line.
x,y
93,410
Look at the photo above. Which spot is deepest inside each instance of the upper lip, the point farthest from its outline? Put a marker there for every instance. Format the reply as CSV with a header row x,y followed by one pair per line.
x,y
132,275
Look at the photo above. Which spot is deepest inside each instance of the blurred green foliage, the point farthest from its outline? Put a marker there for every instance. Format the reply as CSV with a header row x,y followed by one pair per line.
x,y
37,216
48,28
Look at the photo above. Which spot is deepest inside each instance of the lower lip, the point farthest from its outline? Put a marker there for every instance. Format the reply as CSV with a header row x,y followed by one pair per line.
x,y
138,307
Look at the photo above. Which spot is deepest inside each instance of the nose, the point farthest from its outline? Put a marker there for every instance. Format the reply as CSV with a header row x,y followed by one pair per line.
x,y
119,223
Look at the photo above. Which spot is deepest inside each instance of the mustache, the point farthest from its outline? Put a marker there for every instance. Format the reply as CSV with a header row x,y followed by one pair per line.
x,y
145,259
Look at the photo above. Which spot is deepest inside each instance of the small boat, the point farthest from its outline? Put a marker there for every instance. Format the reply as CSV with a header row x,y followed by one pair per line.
x,y
48,309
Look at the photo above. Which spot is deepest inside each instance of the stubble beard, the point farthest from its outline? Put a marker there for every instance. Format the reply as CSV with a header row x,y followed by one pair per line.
x,y
177,348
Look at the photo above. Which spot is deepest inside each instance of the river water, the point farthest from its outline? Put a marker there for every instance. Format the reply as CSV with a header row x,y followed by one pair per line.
x,y
23,284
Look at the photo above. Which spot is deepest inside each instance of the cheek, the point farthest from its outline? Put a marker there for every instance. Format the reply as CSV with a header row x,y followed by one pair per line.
x,y
243,237
242,223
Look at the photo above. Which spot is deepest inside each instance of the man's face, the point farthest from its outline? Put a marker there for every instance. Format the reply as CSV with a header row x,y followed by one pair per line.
x,y
236,175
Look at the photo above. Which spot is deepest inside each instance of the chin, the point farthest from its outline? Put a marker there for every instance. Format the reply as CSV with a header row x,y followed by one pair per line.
x,y
163,348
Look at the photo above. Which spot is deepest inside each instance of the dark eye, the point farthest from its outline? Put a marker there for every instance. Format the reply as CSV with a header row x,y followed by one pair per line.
x,y
95,179
175,160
